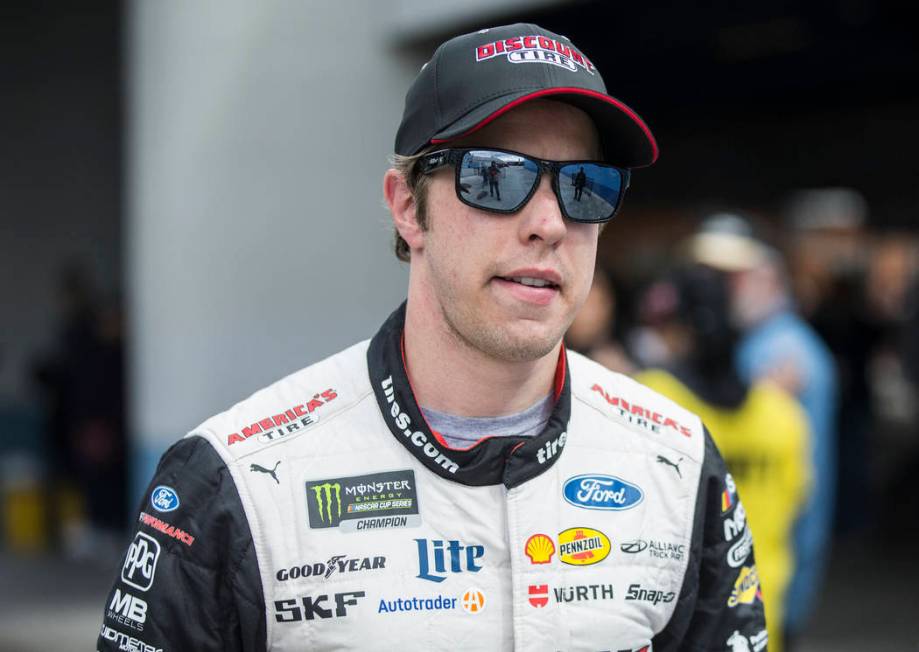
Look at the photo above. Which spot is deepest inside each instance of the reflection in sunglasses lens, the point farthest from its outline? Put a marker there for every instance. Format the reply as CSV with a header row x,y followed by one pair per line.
x,y
589,191
496,180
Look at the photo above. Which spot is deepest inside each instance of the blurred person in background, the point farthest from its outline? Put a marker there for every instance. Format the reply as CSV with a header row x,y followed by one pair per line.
x,y
83,386
592,331
760,429
778,345
462,460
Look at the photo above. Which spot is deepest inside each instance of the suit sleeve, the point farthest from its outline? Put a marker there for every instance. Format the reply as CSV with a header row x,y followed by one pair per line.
x,y
720,605
189,579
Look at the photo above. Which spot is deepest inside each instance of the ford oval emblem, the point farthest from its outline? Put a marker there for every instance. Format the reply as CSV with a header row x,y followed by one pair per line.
x,y
595,491
164,499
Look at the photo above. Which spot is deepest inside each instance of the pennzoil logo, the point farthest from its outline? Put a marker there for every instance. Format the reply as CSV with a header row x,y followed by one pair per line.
x,y
364,502
746,587
539,548
583,546
536,49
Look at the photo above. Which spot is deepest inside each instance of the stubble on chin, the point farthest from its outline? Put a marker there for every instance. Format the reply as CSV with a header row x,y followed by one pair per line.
x,y
494,340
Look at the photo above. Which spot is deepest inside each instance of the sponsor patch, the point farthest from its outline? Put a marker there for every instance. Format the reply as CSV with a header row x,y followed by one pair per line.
x,y
539,548
473,601
583,546
538,595
536,48
125,642
433,558
729,495
740,551
361,502
291,421
166,528
313,607
605,492
127,610
583,592
638,593
746,587
139,569
638,415
164,499
417,603
335,564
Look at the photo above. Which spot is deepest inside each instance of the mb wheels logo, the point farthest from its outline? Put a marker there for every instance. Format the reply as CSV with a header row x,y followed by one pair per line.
x,y
328,504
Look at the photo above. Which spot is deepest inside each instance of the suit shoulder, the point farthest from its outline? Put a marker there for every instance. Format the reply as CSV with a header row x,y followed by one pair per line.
x,y
301,401
635,406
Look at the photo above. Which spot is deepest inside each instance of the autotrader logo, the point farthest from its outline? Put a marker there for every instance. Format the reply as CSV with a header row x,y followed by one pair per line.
x,y
324,495
140,562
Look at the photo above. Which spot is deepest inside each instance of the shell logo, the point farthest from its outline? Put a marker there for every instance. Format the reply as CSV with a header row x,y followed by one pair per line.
x,y
473,601
539,548
583,546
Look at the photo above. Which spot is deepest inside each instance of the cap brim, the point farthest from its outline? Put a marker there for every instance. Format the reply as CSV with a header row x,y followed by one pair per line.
x,y
626,139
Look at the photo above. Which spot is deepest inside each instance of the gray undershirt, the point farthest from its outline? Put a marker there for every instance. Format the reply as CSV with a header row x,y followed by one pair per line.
x,y
463,432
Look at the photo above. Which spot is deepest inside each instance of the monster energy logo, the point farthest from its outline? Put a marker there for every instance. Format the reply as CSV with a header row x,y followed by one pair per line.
x,y
326,491
346,501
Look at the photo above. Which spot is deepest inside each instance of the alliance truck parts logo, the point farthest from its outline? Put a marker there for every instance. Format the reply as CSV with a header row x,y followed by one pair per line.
x,y
364,502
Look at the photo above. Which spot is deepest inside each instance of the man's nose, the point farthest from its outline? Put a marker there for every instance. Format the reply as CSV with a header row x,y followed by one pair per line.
x,y
543,219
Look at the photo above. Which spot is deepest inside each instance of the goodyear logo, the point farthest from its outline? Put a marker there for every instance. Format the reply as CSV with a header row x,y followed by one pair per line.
x,y
746,587
583,546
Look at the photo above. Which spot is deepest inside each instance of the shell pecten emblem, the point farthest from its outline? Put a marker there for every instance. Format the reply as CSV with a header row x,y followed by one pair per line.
x,y
583,546
539,548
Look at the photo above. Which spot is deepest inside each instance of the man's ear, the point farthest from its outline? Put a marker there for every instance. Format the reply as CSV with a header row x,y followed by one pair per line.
x,y
402,207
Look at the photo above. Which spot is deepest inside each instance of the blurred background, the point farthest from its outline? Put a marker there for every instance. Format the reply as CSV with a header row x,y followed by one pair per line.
x,y
191,208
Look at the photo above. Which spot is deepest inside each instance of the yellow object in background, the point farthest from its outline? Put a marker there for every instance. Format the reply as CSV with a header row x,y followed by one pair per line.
x,y
764,442
24,518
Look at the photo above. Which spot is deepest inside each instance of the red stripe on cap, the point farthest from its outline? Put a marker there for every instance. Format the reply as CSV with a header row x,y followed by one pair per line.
x,y
561,91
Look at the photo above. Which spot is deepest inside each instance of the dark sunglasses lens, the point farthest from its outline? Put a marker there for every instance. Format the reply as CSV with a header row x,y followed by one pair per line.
x,y
496,180
590,192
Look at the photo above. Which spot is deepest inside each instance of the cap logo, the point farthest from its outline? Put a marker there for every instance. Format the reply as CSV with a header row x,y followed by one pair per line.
x,y
535,49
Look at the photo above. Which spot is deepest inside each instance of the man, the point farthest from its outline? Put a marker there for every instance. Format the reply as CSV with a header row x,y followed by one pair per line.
x,y
779,346
457,482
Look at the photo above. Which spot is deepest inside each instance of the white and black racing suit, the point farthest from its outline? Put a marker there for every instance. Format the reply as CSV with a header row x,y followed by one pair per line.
x,y
323,513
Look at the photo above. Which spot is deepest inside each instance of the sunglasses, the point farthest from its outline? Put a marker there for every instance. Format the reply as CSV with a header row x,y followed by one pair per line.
x,y
502,181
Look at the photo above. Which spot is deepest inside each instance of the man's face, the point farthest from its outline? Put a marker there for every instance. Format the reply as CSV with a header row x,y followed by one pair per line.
x,y
472,261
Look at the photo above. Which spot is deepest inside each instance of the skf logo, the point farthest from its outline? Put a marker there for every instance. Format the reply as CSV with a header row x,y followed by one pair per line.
x,y
462,558
140,563
129,606
746,587
522,49
539,595
583,546
539,548
473,601
290,611
328,502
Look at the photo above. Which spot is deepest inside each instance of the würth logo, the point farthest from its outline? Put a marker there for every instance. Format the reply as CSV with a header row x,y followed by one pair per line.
x,y
535,49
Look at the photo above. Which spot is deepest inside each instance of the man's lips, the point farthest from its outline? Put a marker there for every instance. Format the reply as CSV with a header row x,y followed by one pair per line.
x,y
534,287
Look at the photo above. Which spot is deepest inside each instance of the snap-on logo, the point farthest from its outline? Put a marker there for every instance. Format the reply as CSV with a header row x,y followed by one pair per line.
x,y
535,49
602,492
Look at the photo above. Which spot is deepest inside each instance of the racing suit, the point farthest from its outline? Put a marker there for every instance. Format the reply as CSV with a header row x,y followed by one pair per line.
x,y
322,513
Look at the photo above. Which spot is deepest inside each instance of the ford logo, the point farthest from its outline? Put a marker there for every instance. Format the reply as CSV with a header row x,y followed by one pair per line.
x,y
164,499
602,492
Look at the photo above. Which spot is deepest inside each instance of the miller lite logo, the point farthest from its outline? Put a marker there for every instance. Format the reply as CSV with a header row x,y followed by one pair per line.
x,y
536,49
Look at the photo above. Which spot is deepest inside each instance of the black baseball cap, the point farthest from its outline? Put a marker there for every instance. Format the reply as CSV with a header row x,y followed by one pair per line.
x,y
475,78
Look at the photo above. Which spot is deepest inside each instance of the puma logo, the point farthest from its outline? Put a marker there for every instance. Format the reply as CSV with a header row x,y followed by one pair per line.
x,y
663,460
262,469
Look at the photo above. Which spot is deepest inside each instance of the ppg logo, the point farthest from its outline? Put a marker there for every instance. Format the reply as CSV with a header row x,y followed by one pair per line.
x,y
164,499
140,563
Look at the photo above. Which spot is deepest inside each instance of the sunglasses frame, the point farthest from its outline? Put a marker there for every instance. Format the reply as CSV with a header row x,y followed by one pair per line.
x,y
454,156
